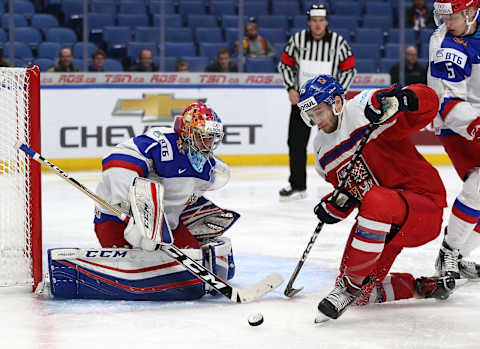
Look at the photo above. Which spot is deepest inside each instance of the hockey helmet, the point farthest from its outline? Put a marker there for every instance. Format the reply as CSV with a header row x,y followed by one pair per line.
x,y
317,10
450,7
322,88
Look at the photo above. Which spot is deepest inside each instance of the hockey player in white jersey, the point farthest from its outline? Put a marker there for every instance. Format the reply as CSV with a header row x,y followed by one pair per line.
x,y
454,73
181,163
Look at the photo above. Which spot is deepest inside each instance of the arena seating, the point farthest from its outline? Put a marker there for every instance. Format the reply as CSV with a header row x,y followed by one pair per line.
x,y
197,29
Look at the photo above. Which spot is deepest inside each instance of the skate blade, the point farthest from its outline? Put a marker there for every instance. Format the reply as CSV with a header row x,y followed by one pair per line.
x,y
321,319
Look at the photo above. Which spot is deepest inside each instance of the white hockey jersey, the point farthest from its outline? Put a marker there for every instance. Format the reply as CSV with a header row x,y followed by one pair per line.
x,y
454,73
158,155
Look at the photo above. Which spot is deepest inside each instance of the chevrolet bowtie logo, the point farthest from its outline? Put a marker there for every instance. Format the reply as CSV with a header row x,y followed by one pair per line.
x,y
153,107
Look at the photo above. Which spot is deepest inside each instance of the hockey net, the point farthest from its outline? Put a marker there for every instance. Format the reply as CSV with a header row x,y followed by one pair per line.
x,y
20,198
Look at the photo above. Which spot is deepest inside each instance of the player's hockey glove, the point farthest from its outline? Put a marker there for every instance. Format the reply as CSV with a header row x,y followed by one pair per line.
x,y
385,103
332,210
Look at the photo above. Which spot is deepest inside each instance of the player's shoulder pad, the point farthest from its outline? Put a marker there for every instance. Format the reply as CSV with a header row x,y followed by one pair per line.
x,y
447,48
163,137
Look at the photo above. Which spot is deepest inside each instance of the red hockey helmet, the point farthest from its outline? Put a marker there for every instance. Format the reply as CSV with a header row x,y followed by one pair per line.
x,y
443,8
199,127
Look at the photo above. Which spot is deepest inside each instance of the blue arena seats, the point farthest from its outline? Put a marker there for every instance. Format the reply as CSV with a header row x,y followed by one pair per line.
x,y
104,7
25,8
345,33
386,64
348,9
374,21
177,49
112,65
18,20
255,8
20,63
132,20
179,35
366,65
44,21
274,35
201,21
366,35
170,21
279,49
301,21
77,49
273,22
231,35
208,34
285,8
22,50
210,49
155,7
196,63
28,35
394,36
43,63
134,48
260,65
97,21
393,51
117,35
222,7
365,51
64,36
133,8
48,50
350,22
149,34
186,7
3,36
375,7
71,8
232,21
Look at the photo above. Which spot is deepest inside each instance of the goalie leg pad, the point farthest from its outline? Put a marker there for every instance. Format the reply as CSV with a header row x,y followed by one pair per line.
x,y
122,274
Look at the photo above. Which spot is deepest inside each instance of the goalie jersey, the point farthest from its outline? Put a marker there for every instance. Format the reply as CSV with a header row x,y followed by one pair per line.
x,y
389,158
454,73
158,155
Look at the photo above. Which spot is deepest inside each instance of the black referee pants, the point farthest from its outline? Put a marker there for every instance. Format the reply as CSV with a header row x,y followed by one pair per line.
x,y
298,135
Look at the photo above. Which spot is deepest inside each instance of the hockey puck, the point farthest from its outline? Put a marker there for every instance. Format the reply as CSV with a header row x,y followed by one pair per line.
x,y
255,319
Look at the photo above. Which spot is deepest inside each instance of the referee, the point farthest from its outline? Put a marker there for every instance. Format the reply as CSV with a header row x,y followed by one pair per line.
x,y
309,53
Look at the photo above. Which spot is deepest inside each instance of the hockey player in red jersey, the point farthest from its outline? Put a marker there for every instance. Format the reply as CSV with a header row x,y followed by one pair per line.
x,y
399,195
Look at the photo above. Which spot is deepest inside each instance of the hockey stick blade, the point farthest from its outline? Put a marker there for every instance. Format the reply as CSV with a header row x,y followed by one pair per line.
x,y
259,289
290,291
235,295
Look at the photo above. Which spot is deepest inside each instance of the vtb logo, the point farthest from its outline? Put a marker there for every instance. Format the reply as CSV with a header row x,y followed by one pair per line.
x,y
153,107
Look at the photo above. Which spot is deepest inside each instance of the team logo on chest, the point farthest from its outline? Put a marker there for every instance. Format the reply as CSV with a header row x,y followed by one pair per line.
x,y
360,179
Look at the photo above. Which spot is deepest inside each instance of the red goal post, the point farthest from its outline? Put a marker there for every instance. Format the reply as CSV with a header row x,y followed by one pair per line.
x,y
20,178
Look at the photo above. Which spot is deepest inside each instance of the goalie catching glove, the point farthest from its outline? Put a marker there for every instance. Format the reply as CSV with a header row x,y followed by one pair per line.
x,y
332,210
385,103
148,227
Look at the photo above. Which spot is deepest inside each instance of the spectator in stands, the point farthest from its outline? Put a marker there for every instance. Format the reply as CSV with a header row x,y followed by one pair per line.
x,y
414,71
419,16
98,60
64,62
223,64
254,45
3,61
182,66
145,62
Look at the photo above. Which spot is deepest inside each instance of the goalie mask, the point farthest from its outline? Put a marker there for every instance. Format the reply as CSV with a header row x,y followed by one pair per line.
x,y
201,131
322,88
455,11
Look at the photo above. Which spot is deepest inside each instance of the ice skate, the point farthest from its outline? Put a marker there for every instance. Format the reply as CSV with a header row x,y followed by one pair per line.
x,y
434,287
289,194
447,261
469,269
337,301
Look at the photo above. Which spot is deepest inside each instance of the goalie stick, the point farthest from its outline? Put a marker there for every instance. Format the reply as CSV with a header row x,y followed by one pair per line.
x,y
234,294
290,291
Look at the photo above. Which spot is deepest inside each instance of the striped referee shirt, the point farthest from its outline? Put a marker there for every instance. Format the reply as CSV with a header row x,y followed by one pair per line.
x,y
331,48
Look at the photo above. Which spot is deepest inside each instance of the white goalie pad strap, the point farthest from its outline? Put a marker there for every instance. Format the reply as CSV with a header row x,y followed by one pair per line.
x,y
146,203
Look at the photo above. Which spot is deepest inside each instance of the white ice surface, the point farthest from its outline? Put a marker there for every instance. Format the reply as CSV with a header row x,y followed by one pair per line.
x,y
269,237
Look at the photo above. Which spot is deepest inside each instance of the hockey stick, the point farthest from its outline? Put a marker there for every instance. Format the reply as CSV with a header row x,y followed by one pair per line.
x,y
237,295
290,291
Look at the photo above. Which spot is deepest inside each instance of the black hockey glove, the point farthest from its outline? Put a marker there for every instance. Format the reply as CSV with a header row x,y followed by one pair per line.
x,y
331,211
386,103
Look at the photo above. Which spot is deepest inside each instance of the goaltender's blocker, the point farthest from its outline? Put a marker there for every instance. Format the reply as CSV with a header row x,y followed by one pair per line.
x,y
151,199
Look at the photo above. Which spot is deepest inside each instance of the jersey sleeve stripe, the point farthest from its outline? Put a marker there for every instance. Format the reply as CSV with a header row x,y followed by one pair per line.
x,y
349,63
127,162
288,60
447,106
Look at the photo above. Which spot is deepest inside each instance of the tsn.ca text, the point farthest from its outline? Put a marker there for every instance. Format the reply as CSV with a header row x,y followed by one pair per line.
x,y
99,136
